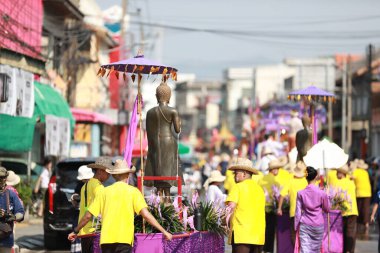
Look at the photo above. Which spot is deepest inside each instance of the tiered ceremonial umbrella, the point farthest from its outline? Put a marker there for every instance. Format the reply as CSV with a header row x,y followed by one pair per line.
x,y
312,95
134,68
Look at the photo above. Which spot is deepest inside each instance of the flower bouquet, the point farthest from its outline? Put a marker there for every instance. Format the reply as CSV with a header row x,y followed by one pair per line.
x,y
177,218
339,200
275,198
166,215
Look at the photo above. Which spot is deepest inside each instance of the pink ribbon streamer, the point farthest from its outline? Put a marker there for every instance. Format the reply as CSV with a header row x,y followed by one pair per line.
x,y
130,139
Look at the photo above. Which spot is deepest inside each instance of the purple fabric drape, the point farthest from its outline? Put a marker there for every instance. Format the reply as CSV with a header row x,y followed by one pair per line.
x,y
336,233
130,139
200,242
96,244
284,243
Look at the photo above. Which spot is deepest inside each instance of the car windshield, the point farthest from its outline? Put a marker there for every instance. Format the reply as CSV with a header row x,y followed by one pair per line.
x,y
19,168
67,173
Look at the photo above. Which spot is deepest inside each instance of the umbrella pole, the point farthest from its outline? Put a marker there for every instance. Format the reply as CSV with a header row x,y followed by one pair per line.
x,y
328,214
313,125
141,140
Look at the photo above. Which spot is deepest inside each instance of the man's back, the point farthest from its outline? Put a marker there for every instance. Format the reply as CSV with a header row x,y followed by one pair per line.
x,y
118,204
249,217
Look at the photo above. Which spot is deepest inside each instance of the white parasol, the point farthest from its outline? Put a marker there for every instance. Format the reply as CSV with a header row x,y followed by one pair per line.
x,y
325,155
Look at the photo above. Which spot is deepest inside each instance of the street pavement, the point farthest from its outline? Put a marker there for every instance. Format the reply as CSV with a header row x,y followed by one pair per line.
x,y
29,238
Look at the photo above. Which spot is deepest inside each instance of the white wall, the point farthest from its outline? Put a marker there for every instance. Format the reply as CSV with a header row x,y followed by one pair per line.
x,y
270,81
319,72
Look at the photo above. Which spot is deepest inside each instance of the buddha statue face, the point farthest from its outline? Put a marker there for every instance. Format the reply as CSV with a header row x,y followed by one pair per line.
x,y
163,93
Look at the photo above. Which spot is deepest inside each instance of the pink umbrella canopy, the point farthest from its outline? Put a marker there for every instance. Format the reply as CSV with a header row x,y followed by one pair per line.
x,y
138,65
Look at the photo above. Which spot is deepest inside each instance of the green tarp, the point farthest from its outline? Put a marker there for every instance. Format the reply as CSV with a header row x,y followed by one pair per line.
x,y
16,133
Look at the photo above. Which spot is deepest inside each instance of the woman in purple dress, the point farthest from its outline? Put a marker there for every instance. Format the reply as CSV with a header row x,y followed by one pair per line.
x,y
308,220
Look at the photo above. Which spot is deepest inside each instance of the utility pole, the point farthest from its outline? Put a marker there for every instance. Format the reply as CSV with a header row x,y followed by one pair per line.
x,y
349,105
142,37
122,28
123,88
369,92
344,106
329,108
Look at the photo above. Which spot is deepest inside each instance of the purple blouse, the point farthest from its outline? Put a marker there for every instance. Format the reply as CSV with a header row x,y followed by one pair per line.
x,y
311,203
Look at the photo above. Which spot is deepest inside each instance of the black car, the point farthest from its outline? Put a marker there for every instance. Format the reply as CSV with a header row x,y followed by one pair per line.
x,y
59,213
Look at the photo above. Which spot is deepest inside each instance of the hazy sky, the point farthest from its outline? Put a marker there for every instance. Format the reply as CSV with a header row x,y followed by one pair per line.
x,y
208,36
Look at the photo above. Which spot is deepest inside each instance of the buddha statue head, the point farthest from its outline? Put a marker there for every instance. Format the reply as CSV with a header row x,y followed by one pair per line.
x,y
163,93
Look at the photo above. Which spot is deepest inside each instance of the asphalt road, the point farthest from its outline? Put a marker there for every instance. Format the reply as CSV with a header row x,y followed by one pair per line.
x,y
29,237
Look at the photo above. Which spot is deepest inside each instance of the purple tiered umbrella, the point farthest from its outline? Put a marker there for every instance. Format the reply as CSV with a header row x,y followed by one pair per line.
x,y
312,95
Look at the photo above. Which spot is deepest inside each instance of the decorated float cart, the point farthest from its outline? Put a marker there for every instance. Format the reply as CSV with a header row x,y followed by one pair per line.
x,y
196,226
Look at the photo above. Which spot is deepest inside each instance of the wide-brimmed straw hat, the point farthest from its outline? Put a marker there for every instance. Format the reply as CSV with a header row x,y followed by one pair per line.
x,y
299,170
243,164
103,163
361,164
215,176
353,165
85,172
345,170
3,172
120,167
12,179
277,163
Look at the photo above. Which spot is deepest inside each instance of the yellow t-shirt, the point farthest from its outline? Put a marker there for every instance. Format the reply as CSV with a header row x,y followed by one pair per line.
x,y
348,185
257,177
362,183
93,187
292,188
248,220
267,183
117,205
283,177
230,180
331,177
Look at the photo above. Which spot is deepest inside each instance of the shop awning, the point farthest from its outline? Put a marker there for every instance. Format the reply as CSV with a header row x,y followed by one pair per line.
x,y
49,101
82,115
16,133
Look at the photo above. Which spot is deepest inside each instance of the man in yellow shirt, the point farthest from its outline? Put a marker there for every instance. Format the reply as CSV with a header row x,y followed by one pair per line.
x,y
117,205
349,217
247,202
363,195
87,196
268,183
296,184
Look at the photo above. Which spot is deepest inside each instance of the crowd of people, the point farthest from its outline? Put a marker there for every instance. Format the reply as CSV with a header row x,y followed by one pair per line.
x,y
287,184
254,191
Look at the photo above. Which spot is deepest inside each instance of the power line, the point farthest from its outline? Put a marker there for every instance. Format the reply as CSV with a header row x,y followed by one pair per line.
x,y
273,34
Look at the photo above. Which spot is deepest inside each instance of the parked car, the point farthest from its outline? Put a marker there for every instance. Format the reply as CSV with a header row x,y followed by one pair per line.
x,y
59,213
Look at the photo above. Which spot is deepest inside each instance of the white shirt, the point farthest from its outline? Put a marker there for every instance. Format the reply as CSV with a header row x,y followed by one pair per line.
x,y
45,177
214,194
295,124
263,165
